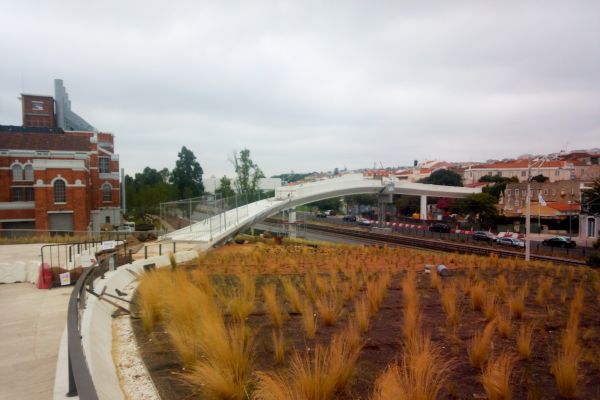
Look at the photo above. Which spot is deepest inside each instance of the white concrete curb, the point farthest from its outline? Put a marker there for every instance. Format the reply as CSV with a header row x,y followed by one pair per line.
x,y
96,327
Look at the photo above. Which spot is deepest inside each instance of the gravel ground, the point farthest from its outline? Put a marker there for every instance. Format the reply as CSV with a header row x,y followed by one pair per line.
x,y
136,382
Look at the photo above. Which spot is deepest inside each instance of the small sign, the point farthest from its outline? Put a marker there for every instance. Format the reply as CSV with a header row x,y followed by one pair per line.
x,y
65,279
108,245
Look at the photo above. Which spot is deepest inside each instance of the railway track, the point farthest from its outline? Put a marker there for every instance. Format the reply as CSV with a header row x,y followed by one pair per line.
x,y
424,243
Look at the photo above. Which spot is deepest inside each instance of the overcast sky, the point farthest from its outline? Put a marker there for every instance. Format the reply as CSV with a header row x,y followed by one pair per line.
x,y
313,85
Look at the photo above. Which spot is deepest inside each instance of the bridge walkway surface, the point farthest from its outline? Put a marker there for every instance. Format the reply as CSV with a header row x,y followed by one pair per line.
x,y
32,322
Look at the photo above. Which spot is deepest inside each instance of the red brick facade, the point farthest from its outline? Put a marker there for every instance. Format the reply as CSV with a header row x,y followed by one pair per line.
x,y
56,180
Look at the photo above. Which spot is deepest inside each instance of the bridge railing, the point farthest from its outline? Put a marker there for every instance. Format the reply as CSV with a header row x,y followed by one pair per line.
x,y
209,216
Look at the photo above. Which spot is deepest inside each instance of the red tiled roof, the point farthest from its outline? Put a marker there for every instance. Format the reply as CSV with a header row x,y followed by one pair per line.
x,y
476,184
520,164
44,141
564,206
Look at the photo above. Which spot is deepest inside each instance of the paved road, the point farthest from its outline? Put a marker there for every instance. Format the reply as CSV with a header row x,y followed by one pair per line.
x,y
31,325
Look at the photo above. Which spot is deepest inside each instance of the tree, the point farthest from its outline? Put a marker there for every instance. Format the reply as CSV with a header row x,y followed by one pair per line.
x,y
248,174
225,190
482,206
443,177
292,176
408,205
499,185
187,175
540,178
591,198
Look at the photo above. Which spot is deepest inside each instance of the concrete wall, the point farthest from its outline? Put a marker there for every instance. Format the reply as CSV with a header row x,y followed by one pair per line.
x,y
96,324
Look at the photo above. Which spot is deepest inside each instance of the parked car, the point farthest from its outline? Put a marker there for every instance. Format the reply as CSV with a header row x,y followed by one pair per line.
x,y
349,218
559,241
363,222
506,241
321,215
330,213
484,236
439,227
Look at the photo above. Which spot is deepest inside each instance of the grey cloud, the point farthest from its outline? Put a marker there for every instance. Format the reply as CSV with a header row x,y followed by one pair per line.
x,y
314,85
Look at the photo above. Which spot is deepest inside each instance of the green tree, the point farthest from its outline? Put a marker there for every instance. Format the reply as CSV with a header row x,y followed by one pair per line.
x,y
248,174
499,184
187,175
225,190
408,205
443,177
540,178
479,206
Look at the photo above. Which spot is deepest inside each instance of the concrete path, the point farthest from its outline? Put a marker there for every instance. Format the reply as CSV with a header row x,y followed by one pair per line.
x,y
31,324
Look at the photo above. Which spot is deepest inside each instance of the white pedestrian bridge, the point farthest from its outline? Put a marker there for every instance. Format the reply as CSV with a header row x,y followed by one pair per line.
x,y
216,228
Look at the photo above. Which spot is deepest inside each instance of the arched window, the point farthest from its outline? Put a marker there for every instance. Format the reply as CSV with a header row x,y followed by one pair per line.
x,y
106,192
17,172
28,172
60,191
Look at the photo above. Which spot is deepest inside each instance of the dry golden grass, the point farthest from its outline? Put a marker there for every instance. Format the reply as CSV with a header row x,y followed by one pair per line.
x,y
524,345
478,292
566,372
411,323
150,300
501,286
516,304
225,370
490,307
278,341
317,374
479,346
241,303
308,320
420,376
361,314
434,278
496,377
292,294
448,299
273,307
329,307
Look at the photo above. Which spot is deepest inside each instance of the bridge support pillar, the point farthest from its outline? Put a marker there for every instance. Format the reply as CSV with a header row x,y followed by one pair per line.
x,y
423,212
292,223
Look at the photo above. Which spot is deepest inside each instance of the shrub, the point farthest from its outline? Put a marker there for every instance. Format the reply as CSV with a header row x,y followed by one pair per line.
x,y
278,346
496,377
477,296
241,303
329,308
479,345
308,320
448,298
315,375
361,314
292,295
420,376
490,307
273,307
524,341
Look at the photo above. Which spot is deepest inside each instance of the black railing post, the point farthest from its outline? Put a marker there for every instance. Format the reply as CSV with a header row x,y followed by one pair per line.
x,y
145,252
160,249
174,247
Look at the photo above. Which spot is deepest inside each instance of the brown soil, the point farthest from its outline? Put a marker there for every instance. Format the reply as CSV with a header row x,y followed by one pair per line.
x,y
531,379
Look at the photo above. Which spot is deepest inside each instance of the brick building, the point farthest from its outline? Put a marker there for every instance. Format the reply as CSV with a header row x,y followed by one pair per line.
x,y
553,170
57,173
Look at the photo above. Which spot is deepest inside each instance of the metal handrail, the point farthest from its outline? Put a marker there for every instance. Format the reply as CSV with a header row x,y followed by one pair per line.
x,y
80,378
